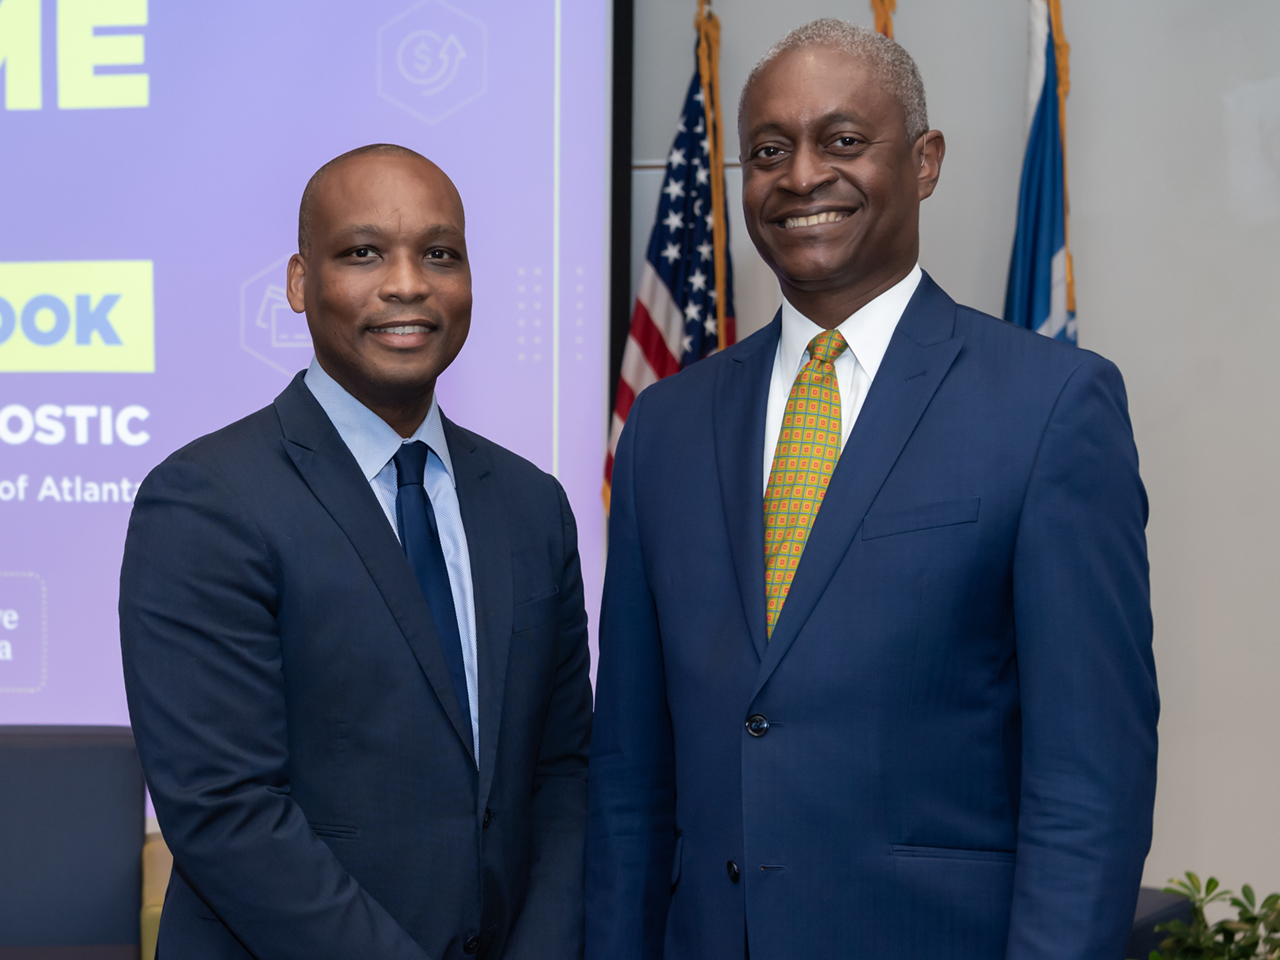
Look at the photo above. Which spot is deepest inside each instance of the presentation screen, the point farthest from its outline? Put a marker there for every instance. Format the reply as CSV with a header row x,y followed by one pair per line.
x,y
153,155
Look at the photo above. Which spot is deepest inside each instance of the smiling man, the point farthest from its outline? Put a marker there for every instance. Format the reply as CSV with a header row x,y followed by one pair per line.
x,y
353,632
878,682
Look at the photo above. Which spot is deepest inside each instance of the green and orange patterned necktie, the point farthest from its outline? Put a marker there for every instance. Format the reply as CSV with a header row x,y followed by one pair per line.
x,y
808,448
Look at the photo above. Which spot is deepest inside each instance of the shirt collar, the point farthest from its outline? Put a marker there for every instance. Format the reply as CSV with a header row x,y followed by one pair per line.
x,y
867,332
371,439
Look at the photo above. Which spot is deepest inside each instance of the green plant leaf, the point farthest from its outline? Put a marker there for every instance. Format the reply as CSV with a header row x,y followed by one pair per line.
x,y
1253,935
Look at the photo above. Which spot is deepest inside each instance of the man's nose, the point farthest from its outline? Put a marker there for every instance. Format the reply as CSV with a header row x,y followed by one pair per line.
x,y
807,171
406,280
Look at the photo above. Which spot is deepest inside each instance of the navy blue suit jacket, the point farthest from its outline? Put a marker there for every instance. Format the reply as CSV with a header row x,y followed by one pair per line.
x,y
960,694
310,764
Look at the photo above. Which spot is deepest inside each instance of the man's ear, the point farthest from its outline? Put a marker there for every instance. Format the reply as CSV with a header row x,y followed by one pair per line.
x,y
294,285
928,153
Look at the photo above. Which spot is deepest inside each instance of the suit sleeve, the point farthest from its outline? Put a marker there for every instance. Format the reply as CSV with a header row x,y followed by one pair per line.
x,y
202,662
631,820
1087,679
550,926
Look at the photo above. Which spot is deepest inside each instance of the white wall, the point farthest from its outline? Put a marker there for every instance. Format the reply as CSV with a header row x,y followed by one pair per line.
x,y
1174,152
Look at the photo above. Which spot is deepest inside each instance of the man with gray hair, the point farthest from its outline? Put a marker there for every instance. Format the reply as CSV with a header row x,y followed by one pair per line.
x,y
875,668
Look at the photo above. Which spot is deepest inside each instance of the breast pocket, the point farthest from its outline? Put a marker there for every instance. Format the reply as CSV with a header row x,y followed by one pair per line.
x,y
536,612
946,513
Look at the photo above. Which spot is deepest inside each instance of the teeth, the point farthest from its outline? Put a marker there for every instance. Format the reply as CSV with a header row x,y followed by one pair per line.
x,y
404,331
817,218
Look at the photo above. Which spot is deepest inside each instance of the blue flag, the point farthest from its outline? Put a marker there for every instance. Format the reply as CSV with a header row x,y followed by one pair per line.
x,y
1040,295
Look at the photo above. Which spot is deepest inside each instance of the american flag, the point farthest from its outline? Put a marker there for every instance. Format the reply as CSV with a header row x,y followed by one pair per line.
x,y
675,319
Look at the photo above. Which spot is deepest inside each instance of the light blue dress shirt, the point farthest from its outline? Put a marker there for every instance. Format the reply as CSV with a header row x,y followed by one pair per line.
x,y
373,443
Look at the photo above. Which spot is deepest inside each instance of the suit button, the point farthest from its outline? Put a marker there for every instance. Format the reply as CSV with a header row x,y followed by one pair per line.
x,y
733,871
757,725
488,818
471,946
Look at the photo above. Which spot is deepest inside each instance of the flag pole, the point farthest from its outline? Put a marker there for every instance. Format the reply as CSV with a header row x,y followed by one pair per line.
x,y
708,26
1062,54
883,9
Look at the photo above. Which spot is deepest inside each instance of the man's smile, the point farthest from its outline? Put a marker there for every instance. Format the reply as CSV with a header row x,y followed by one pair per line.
x,y
815,219
404,334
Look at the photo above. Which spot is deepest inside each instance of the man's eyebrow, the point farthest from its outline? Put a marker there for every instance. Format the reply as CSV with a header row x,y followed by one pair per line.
x,y
436,229
360,228
842,118
826,120
766,128
369,229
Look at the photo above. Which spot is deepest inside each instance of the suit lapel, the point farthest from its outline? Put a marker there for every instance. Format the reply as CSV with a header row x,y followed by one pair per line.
x,y
919,355
741,398
484,519
331,472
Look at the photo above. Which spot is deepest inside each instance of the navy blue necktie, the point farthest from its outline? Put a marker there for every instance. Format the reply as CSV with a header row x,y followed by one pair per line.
x,y
421,541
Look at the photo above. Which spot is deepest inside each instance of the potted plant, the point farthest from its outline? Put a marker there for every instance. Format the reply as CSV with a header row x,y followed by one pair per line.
x,y
1253,935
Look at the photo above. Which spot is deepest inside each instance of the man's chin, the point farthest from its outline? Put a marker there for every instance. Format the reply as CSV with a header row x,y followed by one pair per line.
x,y
811,273
404,381
378,381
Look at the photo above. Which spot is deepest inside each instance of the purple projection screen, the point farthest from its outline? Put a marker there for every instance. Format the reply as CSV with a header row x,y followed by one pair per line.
x,y
153,155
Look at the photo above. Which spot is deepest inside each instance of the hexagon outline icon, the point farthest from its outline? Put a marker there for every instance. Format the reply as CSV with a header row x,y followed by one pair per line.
x,y
383,52
248,316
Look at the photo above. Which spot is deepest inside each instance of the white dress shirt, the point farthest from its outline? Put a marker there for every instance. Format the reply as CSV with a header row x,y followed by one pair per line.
x,y
374,443
867,333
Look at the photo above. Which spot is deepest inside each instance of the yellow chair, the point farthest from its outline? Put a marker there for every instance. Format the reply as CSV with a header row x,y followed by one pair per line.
x,y
157,863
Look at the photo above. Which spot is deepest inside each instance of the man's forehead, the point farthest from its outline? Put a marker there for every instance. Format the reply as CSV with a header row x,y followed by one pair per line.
x,y
813,83
368,172
820,67
401,182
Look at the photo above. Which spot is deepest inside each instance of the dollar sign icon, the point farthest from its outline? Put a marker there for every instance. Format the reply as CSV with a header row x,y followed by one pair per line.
x,y
422,57
428,61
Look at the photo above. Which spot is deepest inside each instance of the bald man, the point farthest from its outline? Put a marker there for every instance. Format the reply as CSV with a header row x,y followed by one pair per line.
x,y
878,683
353,632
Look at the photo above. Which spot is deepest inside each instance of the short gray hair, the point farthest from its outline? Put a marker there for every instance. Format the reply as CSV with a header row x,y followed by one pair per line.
x,y
891,64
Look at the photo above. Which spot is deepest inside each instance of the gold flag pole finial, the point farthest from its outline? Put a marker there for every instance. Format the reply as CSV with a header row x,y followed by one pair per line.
x,y
883,9
708,27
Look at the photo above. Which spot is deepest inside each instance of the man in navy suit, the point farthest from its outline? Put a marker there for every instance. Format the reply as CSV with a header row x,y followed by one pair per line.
x,y
354,640
933,737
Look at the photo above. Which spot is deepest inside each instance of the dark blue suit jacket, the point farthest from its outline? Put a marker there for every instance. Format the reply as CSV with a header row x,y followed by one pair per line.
x,y
960,693
311,767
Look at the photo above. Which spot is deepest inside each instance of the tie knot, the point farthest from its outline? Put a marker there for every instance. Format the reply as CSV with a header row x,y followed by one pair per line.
x,y
411,463
826,346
